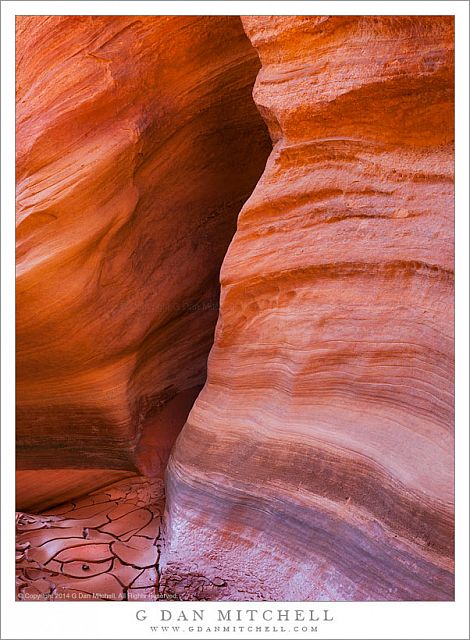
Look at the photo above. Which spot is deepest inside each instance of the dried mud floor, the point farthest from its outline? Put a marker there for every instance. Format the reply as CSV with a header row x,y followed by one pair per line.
x,y
105,546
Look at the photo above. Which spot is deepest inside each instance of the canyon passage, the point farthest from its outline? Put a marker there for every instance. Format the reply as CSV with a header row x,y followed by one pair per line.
x,y
234,308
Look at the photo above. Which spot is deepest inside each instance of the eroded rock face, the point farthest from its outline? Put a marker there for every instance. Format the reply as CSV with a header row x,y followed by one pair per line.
x,y
138,142
317,462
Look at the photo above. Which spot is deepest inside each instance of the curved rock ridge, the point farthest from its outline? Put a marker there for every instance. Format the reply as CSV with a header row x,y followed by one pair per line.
x,y
317,462
40,489
137,143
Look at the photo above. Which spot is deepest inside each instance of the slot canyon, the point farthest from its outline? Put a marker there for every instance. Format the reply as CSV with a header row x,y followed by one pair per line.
x,y
234,308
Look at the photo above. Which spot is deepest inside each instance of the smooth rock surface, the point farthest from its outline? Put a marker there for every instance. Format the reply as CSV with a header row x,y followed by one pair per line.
x,y
137,144
317,462
40,489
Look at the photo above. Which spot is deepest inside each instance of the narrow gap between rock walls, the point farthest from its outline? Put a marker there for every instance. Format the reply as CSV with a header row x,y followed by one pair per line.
x,y
106,543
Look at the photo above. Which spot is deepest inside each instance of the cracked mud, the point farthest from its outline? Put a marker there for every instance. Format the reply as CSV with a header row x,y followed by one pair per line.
x,y
105,546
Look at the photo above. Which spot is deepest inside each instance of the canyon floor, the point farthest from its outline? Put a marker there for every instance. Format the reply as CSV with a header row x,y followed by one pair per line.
x,y
105,546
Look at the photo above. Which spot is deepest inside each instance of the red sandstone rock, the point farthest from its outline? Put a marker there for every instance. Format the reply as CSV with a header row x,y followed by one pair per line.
x,y
132,139
317,461
40,489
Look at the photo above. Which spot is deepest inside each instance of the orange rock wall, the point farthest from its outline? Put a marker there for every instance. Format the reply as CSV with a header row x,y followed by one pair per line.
x,y
317,463
137,143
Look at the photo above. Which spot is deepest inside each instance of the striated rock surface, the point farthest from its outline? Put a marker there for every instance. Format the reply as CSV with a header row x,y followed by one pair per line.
x,y
137,143
317,462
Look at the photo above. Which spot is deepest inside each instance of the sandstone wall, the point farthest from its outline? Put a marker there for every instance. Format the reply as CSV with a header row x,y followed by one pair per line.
x,y
137,143
317,463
